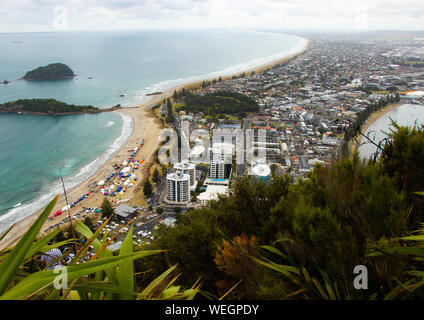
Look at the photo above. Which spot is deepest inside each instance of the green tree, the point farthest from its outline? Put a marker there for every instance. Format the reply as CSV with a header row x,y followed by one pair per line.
x,y
331,219
403,159
156,175
147,188
170,116
319,228
107,209
393,89
192,245
89,223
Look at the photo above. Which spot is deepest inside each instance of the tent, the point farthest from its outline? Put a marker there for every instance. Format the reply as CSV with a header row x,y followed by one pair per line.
x,y
126,170
101,183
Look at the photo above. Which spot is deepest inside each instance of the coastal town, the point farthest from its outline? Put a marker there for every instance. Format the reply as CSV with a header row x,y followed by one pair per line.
x,y
305,107
238,155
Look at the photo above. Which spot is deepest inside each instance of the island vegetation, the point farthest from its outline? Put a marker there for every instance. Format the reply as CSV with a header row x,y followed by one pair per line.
x,y
54,71
48,107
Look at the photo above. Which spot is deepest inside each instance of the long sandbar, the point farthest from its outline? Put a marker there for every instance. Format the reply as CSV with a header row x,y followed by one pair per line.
x,y
144,127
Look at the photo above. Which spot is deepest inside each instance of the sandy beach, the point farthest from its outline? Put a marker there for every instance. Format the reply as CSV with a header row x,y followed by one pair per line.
x,y
146,127
193,85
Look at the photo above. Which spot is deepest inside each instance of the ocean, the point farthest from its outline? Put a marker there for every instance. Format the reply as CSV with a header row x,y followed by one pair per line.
x,y
112,68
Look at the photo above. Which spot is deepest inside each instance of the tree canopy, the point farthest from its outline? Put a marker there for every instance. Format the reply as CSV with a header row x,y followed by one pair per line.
x,y
107,209
220,103
319,227
54,71
47,106
147,188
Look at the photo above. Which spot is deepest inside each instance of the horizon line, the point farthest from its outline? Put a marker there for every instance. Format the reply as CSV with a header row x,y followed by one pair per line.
x,y
223,28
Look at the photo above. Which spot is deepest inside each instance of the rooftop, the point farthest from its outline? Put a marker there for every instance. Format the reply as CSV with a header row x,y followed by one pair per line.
x,y
212,192
124,210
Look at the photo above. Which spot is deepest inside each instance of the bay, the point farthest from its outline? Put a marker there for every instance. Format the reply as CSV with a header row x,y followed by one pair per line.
x,y
112,68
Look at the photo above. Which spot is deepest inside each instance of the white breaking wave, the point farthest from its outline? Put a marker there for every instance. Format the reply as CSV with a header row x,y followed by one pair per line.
x,y
141,95
25,210
109,124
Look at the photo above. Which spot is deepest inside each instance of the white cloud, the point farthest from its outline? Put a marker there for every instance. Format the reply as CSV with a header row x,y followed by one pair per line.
x,y
38,15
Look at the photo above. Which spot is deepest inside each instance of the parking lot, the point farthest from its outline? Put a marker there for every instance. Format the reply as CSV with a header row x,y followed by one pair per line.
x,y
144,227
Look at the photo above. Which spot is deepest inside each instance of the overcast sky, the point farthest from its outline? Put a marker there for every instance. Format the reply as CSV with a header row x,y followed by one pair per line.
x,y
303,15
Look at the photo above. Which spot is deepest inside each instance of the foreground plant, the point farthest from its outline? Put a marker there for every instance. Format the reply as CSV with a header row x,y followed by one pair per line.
x,y
409,249
304,285
104,276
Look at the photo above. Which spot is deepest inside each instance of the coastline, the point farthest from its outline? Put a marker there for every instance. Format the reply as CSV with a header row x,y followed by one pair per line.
x,y
355,142
145,127
33,113
197,84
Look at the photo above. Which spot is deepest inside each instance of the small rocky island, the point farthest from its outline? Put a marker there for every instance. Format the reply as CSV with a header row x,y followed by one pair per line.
x,y
54,71
48,107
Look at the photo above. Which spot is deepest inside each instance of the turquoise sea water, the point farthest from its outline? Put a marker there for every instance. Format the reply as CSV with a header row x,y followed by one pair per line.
x,y
131,63
404,115
36,148
128,63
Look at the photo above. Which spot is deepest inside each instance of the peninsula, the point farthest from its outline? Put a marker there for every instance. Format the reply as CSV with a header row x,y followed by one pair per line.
x,y
49,107
54,71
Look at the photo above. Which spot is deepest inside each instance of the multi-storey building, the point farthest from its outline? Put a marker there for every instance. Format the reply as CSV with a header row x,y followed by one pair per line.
x,y
187,168
177,188
219,169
